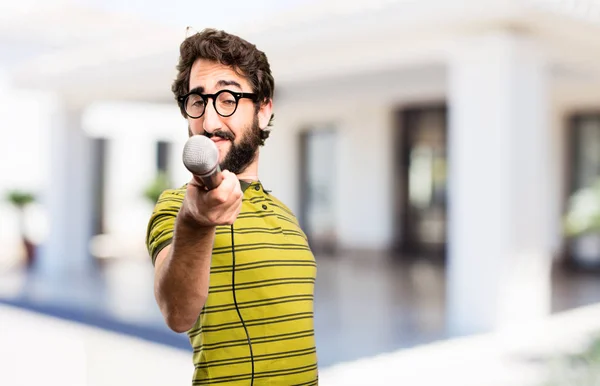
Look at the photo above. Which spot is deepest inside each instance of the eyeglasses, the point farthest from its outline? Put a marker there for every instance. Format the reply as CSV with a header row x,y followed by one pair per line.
x,y
224,101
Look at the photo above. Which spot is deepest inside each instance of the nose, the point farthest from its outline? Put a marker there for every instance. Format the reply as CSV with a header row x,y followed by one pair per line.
x,y
212,120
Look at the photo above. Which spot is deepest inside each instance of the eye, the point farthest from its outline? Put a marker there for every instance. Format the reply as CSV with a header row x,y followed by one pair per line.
x,y
195,100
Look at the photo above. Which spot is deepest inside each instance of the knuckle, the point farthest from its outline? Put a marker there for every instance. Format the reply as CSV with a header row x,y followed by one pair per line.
x,y
220,198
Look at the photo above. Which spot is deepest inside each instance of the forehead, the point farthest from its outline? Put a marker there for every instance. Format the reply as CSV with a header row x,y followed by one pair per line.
x,y
207,74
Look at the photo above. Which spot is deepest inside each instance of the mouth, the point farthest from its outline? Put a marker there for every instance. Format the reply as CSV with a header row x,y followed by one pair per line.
x,y
218,139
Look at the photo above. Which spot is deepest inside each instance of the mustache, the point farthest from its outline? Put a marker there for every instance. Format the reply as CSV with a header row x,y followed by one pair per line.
x,y
220,134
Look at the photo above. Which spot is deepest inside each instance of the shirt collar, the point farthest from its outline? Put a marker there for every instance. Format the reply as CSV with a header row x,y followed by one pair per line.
x,y
256,185
246,184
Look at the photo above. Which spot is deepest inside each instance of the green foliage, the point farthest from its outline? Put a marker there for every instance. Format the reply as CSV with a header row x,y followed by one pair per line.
x,y
580,369
19,198
159,184
583,215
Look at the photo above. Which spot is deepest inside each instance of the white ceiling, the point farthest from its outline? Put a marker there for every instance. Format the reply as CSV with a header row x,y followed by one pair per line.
x,y
90,49
114,49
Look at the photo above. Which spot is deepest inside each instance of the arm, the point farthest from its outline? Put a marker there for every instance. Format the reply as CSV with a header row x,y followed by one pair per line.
x,y
182,269
182,272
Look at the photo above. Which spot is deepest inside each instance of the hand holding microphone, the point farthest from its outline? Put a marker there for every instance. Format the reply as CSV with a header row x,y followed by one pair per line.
x,y
201,158
213,197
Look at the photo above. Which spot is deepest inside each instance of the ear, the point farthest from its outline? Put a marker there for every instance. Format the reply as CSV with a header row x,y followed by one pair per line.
x,y
264,114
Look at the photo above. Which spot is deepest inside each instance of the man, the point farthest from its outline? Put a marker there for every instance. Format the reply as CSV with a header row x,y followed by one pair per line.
x,y
233,269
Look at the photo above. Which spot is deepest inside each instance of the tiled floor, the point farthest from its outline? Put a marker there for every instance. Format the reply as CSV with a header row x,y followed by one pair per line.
x,y
363,306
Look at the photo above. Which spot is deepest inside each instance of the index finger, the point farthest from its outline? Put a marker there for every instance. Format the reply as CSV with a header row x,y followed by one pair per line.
x,y
221,193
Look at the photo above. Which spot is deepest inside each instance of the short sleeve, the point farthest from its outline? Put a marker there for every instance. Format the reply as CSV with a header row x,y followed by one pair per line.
x,y
161,225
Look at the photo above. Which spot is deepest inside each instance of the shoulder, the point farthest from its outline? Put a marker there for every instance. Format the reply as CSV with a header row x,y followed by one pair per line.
x,y
170,199
281,205
172,195
169,202
159,231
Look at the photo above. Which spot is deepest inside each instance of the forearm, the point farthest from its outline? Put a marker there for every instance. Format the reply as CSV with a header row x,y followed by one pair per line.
x,y
182,280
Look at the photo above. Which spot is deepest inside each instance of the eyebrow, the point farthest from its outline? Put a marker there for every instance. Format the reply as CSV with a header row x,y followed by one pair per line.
x,y
220,83
223,83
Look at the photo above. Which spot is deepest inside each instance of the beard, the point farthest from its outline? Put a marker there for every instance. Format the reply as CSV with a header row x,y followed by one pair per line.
x,y
242,153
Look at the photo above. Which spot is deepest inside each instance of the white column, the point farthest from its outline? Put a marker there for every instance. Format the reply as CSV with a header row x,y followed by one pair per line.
x,y
364,179
179,174
68,195
499,260
11,139
131,167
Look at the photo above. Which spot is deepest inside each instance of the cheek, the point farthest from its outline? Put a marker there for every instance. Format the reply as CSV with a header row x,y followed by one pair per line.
x,y
196,126
224,147
233,125
240,121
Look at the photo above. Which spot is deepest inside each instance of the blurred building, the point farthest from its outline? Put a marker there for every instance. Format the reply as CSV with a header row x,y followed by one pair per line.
x,y
453,130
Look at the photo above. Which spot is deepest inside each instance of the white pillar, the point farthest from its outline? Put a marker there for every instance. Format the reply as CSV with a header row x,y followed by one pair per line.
x,y
24,116
131,167
499,260
179,174
68,196
365,167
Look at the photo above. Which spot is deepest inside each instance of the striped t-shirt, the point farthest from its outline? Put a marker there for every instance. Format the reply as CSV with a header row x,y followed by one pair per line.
x,y
275,273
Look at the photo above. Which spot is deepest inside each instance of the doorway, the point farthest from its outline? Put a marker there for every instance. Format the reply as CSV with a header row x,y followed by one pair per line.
x,y
583,251
421,185
318,157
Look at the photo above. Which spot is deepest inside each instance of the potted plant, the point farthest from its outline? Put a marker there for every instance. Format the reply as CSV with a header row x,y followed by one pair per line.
x,y
159,184
20,200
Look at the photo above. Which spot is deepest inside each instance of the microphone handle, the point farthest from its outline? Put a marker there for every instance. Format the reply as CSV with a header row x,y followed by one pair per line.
x,y
211,180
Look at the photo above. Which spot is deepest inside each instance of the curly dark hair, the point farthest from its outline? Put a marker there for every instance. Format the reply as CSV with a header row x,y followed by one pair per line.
x,y
229,50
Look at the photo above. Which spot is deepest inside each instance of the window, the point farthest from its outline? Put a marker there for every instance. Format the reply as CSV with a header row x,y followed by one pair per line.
x,y
163,151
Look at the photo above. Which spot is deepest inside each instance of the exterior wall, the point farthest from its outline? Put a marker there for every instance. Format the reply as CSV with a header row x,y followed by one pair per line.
x,y
130,170
24,151
360,109
132,131
362,179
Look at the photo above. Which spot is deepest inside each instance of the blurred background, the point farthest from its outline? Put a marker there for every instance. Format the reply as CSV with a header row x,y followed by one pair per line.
x,y
442,156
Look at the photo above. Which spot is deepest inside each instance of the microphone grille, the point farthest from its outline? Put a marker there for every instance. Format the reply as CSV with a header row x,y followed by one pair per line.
x,y
200,155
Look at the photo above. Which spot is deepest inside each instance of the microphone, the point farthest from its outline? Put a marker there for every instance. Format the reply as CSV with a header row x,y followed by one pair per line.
x,y
201,158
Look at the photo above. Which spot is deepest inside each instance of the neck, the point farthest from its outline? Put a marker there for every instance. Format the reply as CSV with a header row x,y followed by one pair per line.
x,y
251,172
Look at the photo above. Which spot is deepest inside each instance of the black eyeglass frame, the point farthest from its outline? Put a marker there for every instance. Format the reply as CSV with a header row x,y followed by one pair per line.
x,y
236,95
